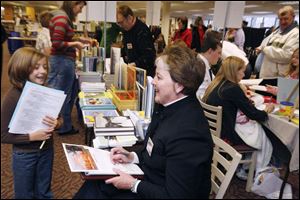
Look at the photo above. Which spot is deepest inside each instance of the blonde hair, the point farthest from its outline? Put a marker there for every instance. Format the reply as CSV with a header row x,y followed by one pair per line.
x,y
293,68
228,71
286,10
21,65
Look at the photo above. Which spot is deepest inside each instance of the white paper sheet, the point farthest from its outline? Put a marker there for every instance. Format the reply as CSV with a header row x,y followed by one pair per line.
x,y
251,81
258,87
35,103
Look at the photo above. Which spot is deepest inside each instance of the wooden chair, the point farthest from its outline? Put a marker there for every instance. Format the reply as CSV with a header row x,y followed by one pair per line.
x,y
222,169
214,117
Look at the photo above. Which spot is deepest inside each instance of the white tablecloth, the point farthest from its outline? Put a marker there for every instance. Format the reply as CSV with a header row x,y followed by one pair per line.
x,y
288,133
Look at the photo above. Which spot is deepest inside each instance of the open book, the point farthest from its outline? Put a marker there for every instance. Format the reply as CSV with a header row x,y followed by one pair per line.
x,y
95,161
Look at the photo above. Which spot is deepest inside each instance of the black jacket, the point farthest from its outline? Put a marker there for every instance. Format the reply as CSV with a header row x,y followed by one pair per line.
x,y
196,43
231,97
180,163
139,47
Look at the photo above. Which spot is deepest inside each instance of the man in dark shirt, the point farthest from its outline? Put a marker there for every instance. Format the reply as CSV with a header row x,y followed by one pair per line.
x,y
138,48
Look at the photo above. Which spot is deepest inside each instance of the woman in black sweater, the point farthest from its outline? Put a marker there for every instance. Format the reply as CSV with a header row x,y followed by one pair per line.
x,y
225,91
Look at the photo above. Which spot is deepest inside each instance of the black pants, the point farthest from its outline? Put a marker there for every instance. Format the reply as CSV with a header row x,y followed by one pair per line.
x,y
97,189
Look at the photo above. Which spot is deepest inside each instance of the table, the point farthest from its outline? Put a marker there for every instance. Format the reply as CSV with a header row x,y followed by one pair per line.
x,y
288,133
23,38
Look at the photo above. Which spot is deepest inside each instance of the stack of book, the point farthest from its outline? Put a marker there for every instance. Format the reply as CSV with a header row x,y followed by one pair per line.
x,y
89,77
113,126
92,86
90,115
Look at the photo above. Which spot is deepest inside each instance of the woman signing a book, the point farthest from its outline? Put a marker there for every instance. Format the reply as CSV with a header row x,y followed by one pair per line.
x,y
177,153
31,164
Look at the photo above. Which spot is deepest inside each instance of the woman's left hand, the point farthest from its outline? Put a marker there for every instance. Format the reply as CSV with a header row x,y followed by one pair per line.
x,y
123,181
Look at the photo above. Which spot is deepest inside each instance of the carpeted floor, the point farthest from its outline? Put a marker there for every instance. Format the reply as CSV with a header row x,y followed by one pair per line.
x,y
65,184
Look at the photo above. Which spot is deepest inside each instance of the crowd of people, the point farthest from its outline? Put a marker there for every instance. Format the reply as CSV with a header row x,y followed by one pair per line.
x,y
178,148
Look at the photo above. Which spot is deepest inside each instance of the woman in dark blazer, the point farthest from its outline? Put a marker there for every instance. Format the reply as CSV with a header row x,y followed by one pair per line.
x,y
177,153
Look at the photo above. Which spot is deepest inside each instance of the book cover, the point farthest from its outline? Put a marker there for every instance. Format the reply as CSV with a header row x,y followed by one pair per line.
x,y
95,161
109,124
131,78
89,115
126,95
100,101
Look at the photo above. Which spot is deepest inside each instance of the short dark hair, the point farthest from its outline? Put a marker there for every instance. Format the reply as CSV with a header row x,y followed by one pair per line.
x,y
212,40
184,21
125,11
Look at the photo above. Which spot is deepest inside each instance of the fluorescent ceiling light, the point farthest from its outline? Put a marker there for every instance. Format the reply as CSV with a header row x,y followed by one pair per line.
x,y
179,11
262,12
195,10
289,3
251,6
194,1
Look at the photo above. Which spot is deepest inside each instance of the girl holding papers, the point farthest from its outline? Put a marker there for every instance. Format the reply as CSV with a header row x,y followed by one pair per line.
x,y
32,166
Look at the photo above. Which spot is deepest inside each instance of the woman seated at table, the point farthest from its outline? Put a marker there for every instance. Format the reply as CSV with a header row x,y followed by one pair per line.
x,y
225,91
178,148
292,73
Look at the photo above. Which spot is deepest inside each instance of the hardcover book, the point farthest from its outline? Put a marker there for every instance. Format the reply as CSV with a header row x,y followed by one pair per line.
x,y
94,161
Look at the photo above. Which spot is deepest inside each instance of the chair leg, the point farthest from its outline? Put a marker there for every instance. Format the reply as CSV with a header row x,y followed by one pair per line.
x,y
287,172
251,172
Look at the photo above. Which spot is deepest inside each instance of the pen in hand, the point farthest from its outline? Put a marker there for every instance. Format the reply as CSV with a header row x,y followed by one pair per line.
x,y
42,144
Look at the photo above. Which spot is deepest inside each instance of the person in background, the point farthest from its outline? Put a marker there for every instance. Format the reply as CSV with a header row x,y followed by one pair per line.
x,y
183,32
279,46
225,91
239,38
198,32
31,166
211,53
158,39
244,24
292,73
236,36
176,156
63,55
43,42
138,48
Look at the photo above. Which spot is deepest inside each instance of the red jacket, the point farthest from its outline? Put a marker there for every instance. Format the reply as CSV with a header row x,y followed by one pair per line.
x,y
186,36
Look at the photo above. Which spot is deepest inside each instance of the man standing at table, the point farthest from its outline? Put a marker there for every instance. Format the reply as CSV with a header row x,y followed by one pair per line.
x,y
138,48
278,47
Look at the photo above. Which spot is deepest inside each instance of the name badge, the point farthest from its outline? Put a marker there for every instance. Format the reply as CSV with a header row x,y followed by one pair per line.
x,y
129,46
149,146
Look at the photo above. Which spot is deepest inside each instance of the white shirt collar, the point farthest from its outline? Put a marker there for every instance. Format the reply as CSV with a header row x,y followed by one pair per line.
x,y
167,104
204,60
